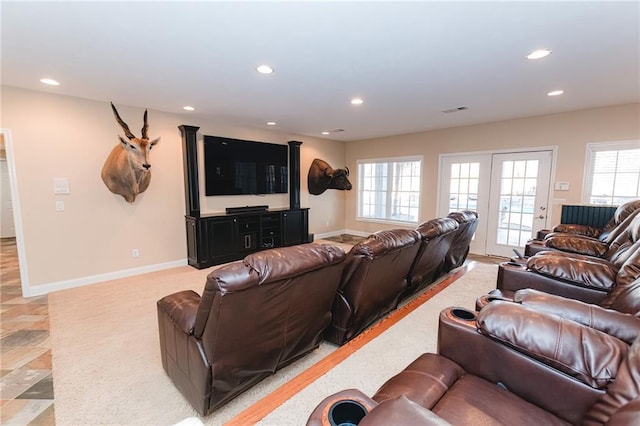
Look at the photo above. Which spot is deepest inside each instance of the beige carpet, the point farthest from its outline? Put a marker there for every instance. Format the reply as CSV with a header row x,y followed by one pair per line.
x,y
106,357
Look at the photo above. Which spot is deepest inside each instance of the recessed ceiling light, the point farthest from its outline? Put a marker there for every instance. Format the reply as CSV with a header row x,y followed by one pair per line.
x,y
264,69
188,108
537,54
271,123
357,101
555,93
325,133
49,81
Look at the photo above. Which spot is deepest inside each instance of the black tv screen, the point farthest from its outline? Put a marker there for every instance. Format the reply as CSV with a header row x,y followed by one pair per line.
x,y
237,167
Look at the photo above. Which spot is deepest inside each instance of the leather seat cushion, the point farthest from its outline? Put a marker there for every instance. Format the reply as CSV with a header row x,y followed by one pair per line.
x,y
474,401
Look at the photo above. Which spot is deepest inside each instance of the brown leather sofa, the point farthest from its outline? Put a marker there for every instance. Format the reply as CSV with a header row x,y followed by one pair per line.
x,y
373,281
510,365
437,236
583,239
576,276
254,317
467,225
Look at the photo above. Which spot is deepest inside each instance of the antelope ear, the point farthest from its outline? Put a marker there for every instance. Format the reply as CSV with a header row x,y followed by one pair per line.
x,y
155,141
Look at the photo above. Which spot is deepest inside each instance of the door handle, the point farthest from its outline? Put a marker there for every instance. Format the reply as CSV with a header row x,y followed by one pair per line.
x,y
541,217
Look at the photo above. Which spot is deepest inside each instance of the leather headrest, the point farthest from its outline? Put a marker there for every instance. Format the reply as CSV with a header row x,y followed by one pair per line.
x,y
382,242
464,216
625,210
436,227
274,264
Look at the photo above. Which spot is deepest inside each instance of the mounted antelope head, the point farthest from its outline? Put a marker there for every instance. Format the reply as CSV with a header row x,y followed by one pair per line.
x,y
127,169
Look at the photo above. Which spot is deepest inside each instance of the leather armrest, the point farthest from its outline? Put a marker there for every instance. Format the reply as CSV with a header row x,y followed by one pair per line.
x,y
623,326
577,244
594,273
492,296
181,308
571,228
320,415
584,353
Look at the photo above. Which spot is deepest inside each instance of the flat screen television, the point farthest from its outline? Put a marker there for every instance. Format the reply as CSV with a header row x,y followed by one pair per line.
x,y
239,167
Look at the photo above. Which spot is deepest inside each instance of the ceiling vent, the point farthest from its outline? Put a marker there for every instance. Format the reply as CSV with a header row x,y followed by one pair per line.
x,y
457,109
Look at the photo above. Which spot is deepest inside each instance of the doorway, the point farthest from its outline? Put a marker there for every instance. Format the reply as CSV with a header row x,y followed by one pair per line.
x,y
508,190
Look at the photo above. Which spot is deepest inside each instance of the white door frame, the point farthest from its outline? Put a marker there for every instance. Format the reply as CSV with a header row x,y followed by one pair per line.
x,y
554,159
17,212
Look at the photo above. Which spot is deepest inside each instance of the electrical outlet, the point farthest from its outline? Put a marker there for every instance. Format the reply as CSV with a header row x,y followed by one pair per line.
x,y
59,206
135,253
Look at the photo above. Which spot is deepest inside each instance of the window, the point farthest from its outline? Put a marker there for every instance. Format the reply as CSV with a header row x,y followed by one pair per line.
x,y
389,189
612,172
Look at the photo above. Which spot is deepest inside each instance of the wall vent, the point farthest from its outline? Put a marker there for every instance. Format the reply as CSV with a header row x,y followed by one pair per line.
x,y
457,109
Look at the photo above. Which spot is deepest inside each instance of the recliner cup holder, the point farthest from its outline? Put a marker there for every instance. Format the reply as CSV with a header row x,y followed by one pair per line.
x,y
463,314
346,413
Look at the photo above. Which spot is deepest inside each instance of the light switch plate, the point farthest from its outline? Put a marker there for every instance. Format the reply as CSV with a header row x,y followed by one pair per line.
x,y
61,185
561,186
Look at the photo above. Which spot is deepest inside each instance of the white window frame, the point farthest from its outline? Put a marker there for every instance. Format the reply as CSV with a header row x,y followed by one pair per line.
x,y
591,149
388,160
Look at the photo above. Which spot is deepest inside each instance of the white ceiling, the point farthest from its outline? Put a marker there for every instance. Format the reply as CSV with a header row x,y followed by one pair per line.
x,y
407,60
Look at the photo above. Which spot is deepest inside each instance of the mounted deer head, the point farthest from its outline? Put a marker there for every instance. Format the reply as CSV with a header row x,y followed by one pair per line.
x,y
127,171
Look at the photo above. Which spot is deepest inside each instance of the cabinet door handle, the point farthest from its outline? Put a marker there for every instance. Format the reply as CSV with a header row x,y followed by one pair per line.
x,y
247,241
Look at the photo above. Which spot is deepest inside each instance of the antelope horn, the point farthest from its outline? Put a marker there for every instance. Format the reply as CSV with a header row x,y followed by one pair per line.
x,y
145,127
124,126
347,169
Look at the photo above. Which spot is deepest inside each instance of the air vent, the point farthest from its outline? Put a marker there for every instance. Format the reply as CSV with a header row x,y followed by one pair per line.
x,y
457,109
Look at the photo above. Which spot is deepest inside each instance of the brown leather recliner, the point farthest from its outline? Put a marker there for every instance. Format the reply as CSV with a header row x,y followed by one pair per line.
x,y
254,317
437,236
617,315
576,276
620,214
510,365
373,281
585,239
467,225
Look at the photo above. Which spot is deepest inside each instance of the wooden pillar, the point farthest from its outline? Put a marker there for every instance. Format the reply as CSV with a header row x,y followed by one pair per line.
x,y
294,174
190,166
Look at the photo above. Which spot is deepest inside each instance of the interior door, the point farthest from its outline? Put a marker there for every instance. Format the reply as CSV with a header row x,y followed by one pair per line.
x,y
518,200
465,181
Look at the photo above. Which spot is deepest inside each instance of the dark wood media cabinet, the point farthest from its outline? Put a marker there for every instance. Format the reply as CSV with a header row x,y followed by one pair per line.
x,y
221,238
213,239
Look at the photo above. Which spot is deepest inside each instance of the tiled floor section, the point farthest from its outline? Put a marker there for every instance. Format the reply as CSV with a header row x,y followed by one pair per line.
x,y
26,384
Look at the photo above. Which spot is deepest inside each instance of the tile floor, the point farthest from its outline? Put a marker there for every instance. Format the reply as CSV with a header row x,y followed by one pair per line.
x,y
26,383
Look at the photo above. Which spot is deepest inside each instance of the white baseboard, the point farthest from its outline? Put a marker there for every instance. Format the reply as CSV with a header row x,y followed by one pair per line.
x,y
342,231
39,290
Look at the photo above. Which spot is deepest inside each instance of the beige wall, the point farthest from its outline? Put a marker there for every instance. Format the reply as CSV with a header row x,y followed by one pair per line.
x,y
60,136
570,132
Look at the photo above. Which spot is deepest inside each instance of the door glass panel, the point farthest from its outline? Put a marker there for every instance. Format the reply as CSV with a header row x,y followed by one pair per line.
x,y
463,186
517,202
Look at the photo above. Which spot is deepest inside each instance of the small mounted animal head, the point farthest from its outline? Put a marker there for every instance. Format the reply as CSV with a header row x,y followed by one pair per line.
x,y
127,171
322,177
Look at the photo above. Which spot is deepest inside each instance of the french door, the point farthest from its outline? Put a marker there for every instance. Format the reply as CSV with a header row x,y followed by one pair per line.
x,y
509,191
